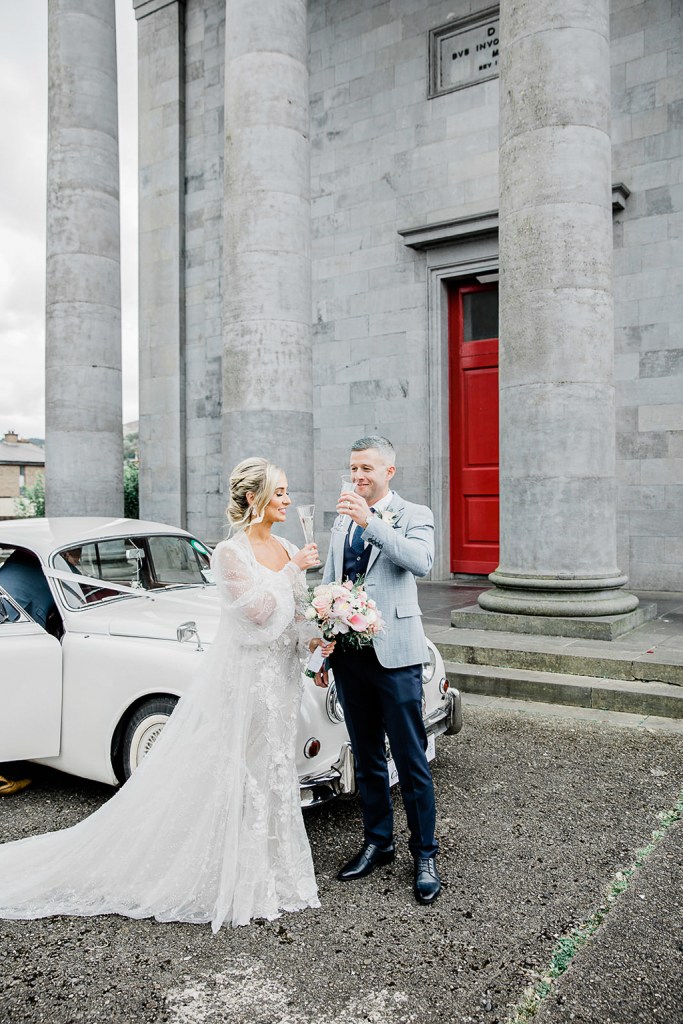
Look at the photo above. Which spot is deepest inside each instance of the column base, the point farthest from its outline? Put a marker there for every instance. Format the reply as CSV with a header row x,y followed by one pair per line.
x,y
557,595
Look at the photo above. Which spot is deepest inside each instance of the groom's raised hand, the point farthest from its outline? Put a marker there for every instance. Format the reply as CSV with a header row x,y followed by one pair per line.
x,y
355,506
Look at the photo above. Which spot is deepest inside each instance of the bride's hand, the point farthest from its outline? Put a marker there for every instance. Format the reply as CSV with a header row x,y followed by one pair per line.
x,y
327,646
307,557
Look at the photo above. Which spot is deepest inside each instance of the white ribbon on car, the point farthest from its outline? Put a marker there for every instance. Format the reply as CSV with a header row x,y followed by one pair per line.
x,y
78,578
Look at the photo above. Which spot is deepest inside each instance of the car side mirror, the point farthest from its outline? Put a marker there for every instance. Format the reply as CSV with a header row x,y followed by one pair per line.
x,y
187,630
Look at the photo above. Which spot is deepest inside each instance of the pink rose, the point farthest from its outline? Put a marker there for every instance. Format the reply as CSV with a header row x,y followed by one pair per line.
x,y
358,622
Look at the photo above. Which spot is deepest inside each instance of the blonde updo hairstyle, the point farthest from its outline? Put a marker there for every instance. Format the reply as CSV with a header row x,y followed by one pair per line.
x,y
258,477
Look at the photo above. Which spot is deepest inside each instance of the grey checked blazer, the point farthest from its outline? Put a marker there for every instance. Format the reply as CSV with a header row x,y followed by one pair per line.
x,y
400,552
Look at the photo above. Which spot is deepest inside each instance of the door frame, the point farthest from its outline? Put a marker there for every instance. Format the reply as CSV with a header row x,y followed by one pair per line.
x,y
448,264
461,352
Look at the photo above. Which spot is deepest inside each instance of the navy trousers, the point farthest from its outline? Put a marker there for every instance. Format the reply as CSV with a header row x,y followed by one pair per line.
x,y
378,700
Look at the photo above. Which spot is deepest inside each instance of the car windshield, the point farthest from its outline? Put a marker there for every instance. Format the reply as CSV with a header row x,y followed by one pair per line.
x,y
141,563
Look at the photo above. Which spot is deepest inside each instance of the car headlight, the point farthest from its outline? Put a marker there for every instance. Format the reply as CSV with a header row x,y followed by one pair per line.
x,y
429,667
335,712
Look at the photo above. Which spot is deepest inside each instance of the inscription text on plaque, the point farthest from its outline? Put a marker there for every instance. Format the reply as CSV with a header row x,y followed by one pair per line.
x,y
464,52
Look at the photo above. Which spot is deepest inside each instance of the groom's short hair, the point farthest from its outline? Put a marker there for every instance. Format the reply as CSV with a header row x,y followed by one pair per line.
x,y
381,444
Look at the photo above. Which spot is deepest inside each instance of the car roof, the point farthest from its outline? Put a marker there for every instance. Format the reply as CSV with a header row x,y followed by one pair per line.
x,y
45,535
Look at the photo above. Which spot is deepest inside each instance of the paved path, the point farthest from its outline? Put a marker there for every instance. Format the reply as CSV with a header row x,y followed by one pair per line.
x,y
661,638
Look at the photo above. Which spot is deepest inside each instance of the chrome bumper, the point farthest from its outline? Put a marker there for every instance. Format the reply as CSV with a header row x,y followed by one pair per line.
x,y
447,718
340,779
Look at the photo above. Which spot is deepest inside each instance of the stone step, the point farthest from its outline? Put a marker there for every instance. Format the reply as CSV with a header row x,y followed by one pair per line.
x,y
633,697
604,627
601,659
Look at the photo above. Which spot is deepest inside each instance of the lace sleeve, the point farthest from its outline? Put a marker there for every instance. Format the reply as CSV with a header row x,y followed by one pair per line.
x,y
262,602
305,630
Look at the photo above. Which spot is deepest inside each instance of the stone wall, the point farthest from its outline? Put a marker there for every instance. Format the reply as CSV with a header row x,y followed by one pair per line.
x,y
384,157
647,122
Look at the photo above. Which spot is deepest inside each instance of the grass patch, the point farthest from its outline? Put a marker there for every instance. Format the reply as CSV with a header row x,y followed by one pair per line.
x,y
569,945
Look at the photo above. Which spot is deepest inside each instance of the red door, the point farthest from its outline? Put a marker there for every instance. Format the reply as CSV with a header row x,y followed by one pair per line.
x,y
473,350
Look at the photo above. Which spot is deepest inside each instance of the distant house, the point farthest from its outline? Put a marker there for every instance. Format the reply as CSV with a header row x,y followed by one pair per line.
x,y
21,462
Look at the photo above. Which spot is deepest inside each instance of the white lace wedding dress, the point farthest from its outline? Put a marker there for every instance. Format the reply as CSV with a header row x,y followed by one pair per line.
x,y
209,827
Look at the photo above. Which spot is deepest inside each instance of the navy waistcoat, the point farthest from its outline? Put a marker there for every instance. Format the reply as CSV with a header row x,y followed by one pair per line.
x,y
355,565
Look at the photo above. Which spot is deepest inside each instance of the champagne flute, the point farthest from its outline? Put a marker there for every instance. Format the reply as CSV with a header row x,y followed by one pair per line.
x,y
306,513
348,486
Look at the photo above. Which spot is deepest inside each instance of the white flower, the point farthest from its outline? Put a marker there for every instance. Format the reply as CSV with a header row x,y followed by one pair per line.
x,y
388,516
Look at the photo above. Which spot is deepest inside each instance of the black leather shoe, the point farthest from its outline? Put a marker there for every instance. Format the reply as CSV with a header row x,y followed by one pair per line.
x,y
369,858
427,882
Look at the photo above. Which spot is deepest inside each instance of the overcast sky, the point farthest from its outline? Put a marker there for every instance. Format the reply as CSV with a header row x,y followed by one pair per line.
x,y
23,130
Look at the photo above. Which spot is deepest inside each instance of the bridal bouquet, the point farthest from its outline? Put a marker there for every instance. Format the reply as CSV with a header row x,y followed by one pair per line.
x,y
343,612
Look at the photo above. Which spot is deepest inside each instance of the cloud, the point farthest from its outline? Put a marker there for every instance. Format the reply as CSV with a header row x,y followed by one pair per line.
x,y
23,127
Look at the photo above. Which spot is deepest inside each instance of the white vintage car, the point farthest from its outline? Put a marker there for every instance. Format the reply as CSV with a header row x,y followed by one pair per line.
x,y
130,610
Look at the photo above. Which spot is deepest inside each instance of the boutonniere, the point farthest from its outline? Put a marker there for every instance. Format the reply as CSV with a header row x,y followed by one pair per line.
x,y
388,516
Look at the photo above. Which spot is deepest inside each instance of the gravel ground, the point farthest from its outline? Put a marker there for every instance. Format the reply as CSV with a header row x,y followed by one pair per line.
x,y
632,973
535,817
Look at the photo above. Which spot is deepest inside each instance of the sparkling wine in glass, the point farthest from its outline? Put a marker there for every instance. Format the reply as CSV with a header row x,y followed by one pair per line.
x,y
306,513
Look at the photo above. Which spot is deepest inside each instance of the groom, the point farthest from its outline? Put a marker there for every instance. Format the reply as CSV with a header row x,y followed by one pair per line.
x,y
389,541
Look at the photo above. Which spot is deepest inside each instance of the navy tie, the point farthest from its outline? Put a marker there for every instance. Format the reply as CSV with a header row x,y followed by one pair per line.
x,y
356,541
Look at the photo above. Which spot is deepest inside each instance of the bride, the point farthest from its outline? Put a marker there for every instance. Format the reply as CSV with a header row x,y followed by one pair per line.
x,y
209,827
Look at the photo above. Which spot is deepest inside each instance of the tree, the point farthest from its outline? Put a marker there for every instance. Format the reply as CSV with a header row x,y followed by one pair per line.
x,y
131,444
32,502
131,499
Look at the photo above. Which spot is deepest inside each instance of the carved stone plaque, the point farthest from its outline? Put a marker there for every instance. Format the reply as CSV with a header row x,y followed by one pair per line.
x,y
464,52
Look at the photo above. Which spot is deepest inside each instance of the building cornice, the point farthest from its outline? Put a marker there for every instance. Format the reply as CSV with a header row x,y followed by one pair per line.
x,y
474,225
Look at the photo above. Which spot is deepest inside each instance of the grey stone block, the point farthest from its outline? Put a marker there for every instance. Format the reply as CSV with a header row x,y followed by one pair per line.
x,y
640,497
607,627
625,48
658,200
645,70
645,445
665,363
663,471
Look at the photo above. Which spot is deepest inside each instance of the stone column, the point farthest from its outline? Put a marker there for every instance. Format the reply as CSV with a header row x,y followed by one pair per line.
x,y
557,418
267,374
84,440
161,105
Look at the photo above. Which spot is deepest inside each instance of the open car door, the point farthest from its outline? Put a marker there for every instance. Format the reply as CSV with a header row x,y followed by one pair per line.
x,y
30,686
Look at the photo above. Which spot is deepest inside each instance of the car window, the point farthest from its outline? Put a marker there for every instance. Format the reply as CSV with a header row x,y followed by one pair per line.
x,y
145,563
9,612
178,560
120,560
